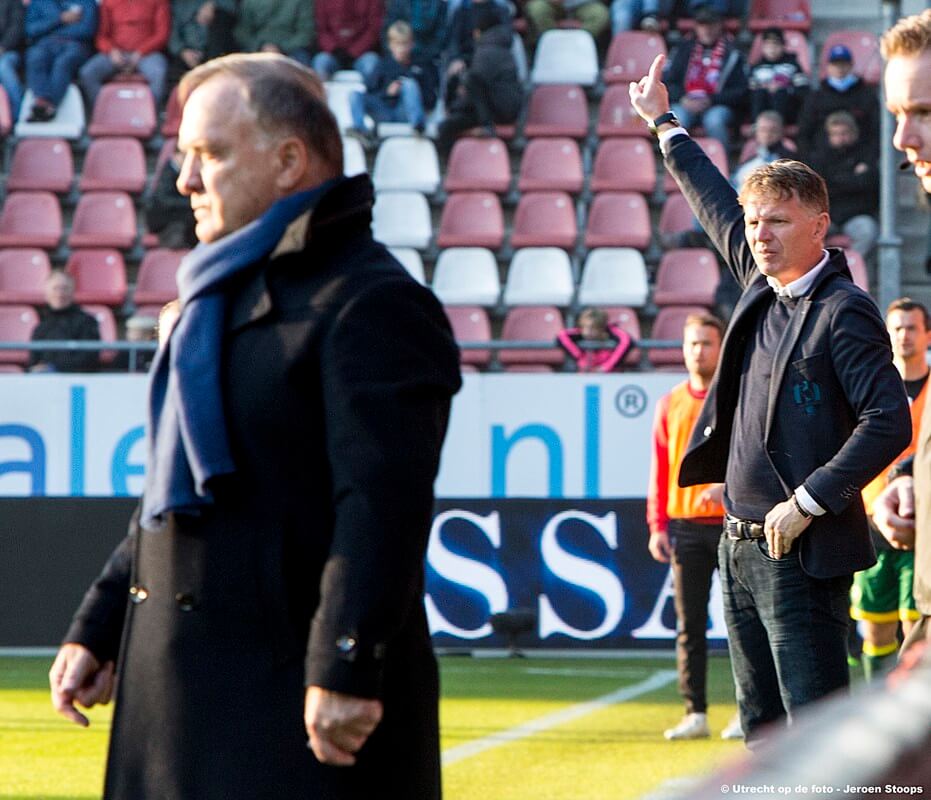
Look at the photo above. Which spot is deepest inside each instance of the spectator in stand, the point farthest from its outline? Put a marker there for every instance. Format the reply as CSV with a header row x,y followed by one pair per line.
x,y
489,91
707,78
461,46
777,80
167,212
200,30
647,15
139,328
428,20
849,168
593,327
841,90
348,34
130,38
726,8
768,138
543,15
276,26
61,34
62,320
12,38
399,90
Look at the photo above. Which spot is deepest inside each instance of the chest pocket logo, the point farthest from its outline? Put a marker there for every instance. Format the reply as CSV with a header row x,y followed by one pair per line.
x,y
807,395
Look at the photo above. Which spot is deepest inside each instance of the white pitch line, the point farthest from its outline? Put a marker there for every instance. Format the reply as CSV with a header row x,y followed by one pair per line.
x,y
656,681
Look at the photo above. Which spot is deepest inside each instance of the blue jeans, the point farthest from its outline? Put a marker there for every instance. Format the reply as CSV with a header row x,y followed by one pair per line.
x,y
99,68
409,108
51,64
325,64
626,14
787,632
716,121
10,62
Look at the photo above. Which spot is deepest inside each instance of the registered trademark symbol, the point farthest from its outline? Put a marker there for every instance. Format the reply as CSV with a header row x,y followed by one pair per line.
x,y
630,401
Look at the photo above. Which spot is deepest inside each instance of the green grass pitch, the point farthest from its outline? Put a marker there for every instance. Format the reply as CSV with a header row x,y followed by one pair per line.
x,y
612,751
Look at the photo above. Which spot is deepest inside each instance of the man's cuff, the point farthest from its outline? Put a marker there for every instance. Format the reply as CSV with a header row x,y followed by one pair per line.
x,y
807,502
665,136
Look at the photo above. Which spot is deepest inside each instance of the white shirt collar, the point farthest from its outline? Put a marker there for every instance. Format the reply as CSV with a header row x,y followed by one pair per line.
x,y
800,286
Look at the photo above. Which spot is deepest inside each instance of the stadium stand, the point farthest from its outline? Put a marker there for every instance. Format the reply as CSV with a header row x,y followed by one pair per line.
x,y
614,276
411,261
618,219
565,56
539,276
790,15
795,43
624,165
6,116
407,163
557,111
467,276
551,165
41,165
863,46
630,55
124,109
668,325
471,219
114,164
616,116
471,324
156,280
99,276
715,151
353,157
106,323
69,121
529,324
687,276
23,272
545,219
103,219
478,165
402,219
16,324
31,219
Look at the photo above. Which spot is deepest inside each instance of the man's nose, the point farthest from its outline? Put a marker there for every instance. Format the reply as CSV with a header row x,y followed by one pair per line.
x,y
906,134
189,177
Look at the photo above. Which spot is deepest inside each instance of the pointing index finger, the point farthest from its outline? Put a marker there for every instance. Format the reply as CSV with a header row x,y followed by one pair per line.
x,y
656,68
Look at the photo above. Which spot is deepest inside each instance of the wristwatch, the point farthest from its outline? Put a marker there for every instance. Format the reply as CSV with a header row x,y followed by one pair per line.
x,y
661,120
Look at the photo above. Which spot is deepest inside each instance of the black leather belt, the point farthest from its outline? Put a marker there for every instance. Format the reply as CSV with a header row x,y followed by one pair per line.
x,y
742,528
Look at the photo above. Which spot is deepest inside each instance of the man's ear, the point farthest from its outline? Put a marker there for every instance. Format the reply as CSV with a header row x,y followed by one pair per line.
x,y
293,162
823,223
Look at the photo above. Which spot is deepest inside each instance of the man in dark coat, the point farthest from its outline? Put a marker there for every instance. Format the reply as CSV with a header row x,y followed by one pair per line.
x,y
266,610
61,319
804,408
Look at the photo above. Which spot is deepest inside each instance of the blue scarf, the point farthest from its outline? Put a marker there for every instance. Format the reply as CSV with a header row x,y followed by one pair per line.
x,y
187,435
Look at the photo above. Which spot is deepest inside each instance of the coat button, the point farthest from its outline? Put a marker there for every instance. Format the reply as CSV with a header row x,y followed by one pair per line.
x,y
185,601
346,645
708,431
138,594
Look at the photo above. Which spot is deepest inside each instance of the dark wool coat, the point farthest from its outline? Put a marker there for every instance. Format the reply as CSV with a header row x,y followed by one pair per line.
x,y
836,409
338,370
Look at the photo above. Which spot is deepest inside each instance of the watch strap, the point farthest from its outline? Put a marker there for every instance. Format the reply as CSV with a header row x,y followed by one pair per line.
x,y
662,119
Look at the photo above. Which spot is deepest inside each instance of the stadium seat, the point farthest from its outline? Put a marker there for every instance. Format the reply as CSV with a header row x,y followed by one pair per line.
x,y
23,272
565,56
714,150
103,219
402,219
614,276
353,157
466,276
470,324
11,369
858,269
407,163
411,260
625,164
616,116
863,46
41,165
545,219
557,111
687,276
68,123
99,276
471,219
172,120
6,114
337,98
539,276
106,324
627,320
630,55
795,43
114,164
478,165
16,325
532,324
676,217
618,219
785,14
668,325
156,280
30,219
124,109
551,165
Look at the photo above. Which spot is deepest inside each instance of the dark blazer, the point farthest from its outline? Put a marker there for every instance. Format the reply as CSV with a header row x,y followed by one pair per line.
x,y
338,371
837,413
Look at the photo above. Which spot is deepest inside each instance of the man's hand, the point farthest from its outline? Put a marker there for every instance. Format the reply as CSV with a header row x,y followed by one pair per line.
x,y
76,675
782,526
649,96
205,14
338,724
191,57
712,496
659,546
894,513
393,89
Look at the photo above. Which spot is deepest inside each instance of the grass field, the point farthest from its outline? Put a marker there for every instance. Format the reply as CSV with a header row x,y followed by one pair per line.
x,y
611,749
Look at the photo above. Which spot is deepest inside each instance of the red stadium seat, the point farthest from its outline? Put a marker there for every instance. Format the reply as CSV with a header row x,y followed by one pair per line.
x,y
627,320
124,109
630,55
668,325
16,325
551,165
557,111
616,116
23,273
41,165
106,324
624,164
471,219
545,219
858,269
532,324
114,164
687,276
156,281
863,46
714,150
172,120
618,219
104,219
30,219
795,43
785,14
478,165
6,115
99,276
470,324
676,217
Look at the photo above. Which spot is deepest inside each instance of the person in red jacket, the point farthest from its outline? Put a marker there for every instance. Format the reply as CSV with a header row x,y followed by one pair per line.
x,y
130,38
348,34
593,326
685,523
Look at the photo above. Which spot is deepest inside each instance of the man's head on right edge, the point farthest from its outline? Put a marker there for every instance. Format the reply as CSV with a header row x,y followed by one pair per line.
x,y
785,218
255,128
907,323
